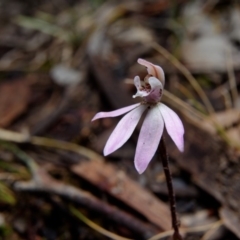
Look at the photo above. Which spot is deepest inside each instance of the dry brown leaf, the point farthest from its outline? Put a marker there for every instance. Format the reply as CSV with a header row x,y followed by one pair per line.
x,y
116,183
14,98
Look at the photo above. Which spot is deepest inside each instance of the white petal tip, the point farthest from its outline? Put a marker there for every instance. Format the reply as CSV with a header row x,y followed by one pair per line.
x,y
106,152
97,116
140,61
140,172
137,95
180,144
139,169
181,149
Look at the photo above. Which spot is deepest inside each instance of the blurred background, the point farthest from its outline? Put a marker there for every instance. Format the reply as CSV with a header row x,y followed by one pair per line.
x,y
61,62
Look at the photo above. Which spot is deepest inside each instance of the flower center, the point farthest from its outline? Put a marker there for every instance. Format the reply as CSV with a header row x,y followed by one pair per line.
x,y
146,88
145,84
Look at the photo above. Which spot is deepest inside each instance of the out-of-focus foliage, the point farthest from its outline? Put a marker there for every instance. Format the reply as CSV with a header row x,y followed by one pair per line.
x,y
6,195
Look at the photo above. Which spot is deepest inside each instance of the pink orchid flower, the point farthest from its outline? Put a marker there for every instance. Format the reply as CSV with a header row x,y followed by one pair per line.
x,y
157,114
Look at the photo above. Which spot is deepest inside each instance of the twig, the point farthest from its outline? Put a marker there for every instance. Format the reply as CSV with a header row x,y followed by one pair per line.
x,y
188,230
94,226
231,78
212,229
227,98
16,137
223,91
27,160
175,223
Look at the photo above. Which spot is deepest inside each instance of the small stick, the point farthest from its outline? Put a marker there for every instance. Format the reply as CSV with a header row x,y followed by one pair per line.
x,y
175,223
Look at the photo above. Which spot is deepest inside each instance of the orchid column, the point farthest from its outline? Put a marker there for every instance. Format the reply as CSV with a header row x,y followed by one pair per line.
x,y
150,89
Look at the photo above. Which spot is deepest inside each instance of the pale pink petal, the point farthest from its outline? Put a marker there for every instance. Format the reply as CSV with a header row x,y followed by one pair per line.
x,y
173,125
115,113
124,130
137,83
156,90
140,93
149,138
153,70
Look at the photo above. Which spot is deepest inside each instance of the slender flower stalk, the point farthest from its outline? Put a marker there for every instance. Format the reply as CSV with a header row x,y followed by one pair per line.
x,y
150,89
172,200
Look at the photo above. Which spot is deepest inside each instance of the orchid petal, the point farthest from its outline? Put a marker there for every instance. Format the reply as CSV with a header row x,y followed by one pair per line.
x,y
138,85
153,70
137,82
124,130
154,83
149,138
173,125
156,90
115,113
